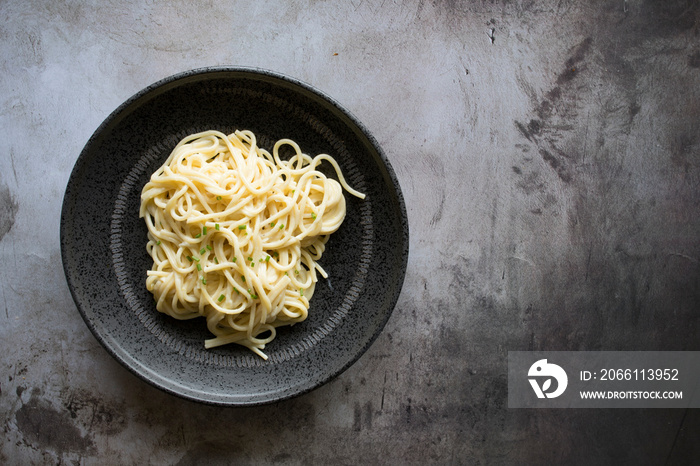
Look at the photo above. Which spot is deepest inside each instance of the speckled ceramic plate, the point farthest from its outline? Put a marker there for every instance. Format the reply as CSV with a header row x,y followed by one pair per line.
x,y
103,239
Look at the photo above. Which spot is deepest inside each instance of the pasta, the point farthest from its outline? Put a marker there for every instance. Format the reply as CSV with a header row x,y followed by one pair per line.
x,y
236,233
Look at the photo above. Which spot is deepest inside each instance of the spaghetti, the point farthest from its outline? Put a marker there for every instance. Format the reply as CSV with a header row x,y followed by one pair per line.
x,y
236,233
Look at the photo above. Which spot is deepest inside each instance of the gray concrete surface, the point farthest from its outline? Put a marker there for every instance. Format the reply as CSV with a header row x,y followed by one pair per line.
x,y
549,153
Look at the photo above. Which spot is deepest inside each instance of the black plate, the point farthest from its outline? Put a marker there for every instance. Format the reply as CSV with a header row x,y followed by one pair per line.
x,y
103,239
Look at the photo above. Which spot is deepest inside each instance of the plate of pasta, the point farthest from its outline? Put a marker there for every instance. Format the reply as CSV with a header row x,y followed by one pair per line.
x,y
234,236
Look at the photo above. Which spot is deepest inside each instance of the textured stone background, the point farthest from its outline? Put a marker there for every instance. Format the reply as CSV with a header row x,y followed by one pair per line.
x,y
549,154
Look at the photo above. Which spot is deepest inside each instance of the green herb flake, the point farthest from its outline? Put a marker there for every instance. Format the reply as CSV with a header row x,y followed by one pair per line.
x,y
202,251
313,215
267,259
204,281
208,247
189,258
158,243
216,260
218,198
204,230
281,225
272,224
199,266
217,227
198,235
301,292
241,227
221,298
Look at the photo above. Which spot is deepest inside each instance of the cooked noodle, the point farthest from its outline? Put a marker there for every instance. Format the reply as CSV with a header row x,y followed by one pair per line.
x,y
235,234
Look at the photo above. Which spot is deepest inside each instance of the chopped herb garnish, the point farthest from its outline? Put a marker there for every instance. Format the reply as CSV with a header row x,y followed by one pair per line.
x,y
208,247
281,225
198,235
250,258
199,266
195,259
221,298
217,227
233,260
158,243
267,259
218,198
272,224
313,215
202,251
216,260
204,280
301,292
243,278
254,296
204,230
241,227
189,258
252,264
